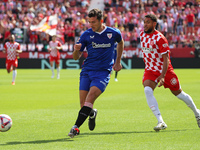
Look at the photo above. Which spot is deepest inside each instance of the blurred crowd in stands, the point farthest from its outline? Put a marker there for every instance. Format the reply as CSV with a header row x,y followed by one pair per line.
x,y
178,20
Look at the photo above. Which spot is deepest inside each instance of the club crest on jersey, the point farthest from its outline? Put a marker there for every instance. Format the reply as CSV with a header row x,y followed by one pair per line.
x,y
109,35
151,43
173,81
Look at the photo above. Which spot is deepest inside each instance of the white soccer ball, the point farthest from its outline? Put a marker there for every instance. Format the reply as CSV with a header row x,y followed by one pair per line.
x,y
5,123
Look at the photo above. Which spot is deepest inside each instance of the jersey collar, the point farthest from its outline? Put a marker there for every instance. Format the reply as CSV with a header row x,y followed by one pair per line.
x,y
102,30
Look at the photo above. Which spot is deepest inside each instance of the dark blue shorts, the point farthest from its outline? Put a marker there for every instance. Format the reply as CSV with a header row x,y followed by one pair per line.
x,y
100,79
190,24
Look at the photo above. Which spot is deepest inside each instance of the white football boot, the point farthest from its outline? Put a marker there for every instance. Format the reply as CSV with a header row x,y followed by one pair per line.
x,y
160,126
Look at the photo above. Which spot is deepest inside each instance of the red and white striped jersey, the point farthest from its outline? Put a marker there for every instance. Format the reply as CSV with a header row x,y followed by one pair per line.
x,y
11,50
153,47
54,51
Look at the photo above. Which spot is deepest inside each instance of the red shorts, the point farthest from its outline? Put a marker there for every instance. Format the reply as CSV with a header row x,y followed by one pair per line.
x,y
10,63
56,59
171,79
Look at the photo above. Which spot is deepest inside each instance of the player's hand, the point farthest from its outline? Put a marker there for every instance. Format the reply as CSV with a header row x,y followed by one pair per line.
x,y
77,47
117,66
160,80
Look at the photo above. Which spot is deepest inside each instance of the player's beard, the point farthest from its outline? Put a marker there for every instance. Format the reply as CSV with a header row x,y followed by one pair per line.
x,y
11,41
149,30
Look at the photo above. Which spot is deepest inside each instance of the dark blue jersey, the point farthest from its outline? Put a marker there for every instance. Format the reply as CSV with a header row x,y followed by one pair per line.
x,y
100,48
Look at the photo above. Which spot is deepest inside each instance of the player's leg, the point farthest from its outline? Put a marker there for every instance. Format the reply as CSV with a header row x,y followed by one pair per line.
x,y
84,112
187,99
149,87
83,91
15,65
100,82
75,129
52,66
172,82
14,75
149,83
92,95
58,68
9,65
82,94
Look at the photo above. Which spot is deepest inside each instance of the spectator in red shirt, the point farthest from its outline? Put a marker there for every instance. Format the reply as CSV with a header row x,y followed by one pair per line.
x,y
7,34
69,34
190,22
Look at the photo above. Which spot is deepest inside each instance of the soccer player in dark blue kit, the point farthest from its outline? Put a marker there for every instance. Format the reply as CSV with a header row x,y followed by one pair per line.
x,y
99,42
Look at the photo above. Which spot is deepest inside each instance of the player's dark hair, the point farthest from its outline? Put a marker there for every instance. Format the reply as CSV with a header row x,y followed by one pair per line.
x,y
152,17
96,13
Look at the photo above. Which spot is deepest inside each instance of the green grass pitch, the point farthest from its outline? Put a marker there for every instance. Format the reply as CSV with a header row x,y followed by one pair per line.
x,y
43,111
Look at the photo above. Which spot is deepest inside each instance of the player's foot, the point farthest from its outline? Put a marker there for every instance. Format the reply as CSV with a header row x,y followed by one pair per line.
x,y
52,76
91,122
116,80
198,119
13,83
58,76
160,126
74,131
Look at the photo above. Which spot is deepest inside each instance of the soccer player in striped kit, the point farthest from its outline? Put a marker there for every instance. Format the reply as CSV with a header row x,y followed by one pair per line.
x,y
12,49
99,41
159,71
54,47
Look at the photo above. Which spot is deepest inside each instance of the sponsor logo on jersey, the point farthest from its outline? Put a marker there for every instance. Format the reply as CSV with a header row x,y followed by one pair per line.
x,y
91,36
109,35
148,50
96,45
12,49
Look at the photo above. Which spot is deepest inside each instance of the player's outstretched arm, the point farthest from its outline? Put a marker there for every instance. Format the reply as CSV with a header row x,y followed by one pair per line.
x,y
4,50
59,47
161,78
77,53
19,51
120,47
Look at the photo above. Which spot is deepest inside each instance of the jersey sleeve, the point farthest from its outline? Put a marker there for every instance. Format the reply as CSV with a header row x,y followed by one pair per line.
x,y
59,44
18,47
118,36
5,46
163,45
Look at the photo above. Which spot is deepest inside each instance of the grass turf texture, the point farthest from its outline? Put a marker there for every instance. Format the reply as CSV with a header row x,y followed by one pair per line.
x,y
43,111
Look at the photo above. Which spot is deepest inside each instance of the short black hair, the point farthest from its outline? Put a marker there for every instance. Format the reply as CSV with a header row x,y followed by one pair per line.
x,y
96,13
152,17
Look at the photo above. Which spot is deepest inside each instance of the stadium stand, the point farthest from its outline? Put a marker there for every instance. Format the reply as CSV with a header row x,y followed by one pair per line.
x,y
16,16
